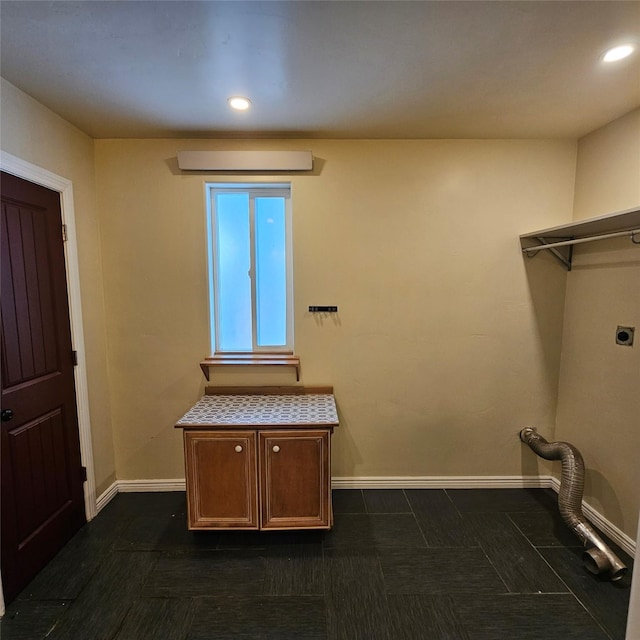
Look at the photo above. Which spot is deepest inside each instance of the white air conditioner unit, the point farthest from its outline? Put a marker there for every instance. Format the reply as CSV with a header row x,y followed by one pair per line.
x,y
245,160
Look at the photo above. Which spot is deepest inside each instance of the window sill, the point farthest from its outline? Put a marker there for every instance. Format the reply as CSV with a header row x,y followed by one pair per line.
x,y
253,359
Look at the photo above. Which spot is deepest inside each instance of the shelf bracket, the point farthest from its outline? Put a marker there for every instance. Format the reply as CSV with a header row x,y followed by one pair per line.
x,y
565,260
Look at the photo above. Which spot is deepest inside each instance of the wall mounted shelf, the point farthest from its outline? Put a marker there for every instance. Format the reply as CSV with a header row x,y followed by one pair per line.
x,y
244,359
561,240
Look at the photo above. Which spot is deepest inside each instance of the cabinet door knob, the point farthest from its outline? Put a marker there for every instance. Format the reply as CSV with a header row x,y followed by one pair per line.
x,y
276,448
238,448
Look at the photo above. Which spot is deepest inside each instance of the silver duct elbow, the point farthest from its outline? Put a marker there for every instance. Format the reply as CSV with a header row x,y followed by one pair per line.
x,y
598,557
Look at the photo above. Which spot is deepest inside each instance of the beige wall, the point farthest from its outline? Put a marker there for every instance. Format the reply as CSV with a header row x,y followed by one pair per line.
x,y
599,401
37,135
608,169
447,340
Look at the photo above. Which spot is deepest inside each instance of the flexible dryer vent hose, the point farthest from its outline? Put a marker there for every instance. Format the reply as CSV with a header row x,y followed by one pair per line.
x,y
598,557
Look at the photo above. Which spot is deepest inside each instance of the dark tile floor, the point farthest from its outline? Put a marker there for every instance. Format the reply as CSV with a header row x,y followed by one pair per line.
x,y
398,564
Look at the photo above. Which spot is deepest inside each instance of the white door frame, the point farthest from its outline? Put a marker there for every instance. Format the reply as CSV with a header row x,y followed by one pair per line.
x,y
38,175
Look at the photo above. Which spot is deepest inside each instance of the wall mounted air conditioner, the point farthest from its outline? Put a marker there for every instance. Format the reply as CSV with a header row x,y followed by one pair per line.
x,y
245,160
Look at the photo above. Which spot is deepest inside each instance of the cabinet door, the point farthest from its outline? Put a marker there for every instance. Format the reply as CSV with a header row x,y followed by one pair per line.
x,y
221,479
295,479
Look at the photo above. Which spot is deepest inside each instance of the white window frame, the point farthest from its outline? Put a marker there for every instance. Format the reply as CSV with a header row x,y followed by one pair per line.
x,y
255,189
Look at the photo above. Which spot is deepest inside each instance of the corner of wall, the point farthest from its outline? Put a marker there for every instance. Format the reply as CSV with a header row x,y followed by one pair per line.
x,y
597,407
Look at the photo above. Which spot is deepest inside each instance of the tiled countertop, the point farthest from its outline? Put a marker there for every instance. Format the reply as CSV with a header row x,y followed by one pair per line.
x,y
262,410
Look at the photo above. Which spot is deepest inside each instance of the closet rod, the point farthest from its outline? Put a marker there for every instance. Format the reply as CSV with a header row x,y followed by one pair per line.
x,y
565,243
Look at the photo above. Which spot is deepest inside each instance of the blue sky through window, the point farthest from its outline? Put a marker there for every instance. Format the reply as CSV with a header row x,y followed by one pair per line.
x,y
250,292
234,261
271,272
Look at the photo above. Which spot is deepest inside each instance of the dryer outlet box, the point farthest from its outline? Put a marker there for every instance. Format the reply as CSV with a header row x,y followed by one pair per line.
x,y
624,336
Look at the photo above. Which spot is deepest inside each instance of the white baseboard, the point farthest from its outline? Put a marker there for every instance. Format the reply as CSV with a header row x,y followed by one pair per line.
x,y
442,482
138,486
625,542
106,497
406,482
135,486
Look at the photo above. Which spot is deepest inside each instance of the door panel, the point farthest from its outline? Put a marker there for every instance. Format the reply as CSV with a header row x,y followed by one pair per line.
x,y
221,479
39,445
42,501
295,480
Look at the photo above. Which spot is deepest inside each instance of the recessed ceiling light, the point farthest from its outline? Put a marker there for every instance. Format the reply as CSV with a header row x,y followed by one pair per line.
x,y
618,53
239,103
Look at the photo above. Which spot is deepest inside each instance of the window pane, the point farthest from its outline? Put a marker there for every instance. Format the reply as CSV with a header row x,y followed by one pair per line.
x,y
271,280
233,262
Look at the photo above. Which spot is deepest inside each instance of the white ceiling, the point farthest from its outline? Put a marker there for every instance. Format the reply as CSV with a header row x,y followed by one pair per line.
x,y
338,69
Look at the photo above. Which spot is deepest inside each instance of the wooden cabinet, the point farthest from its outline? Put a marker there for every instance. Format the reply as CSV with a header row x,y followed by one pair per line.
x,y
221,479
295,482
243,475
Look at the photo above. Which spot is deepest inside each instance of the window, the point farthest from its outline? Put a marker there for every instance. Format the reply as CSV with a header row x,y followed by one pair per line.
x,y
250,268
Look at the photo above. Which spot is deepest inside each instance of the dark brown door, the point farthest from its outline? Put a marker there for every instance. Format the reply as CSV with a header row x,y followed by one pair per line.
x,y
42,502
